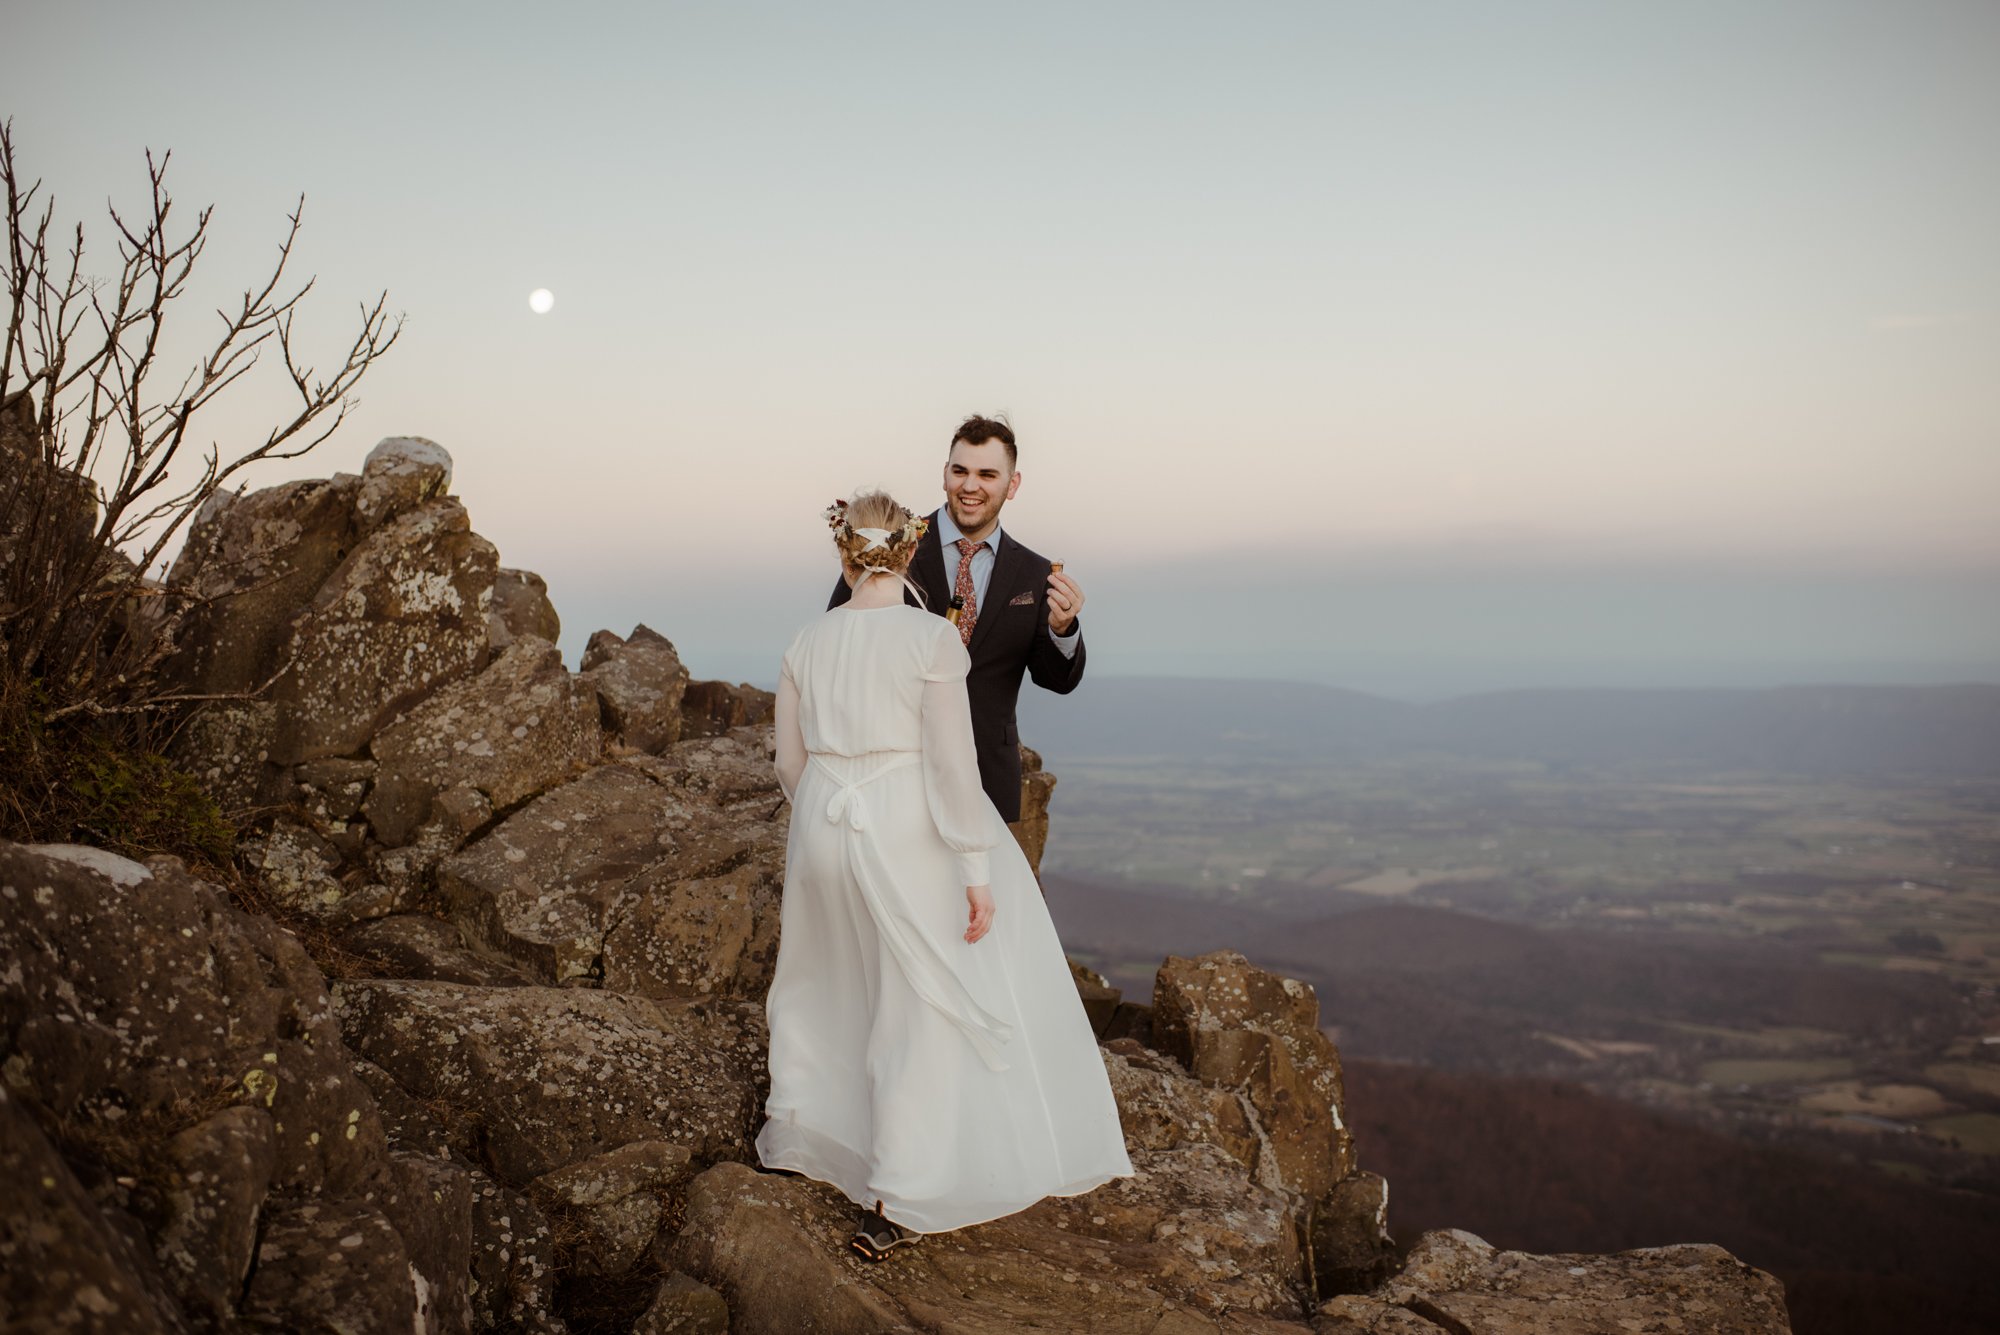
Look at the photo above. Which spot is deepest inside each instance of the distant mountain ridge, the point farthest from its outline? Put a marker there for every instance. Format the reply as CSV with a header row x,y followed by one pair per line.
x,y
1941,730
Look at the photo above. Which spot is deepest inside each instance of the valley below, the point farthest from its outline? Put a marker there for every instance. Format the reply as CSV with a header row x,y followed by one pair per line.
x,y
1593,1000
1786,957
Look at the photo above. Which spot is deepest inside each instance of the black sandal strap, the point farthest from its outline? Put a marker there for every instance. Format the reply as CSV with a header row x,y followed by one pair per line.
x,y
878,1234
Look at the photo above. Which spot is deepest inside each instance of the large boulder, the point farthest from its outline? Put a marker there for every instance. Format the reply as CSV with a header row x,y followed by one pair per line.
x,y
733,769
705,921
541,886
658,875
509,1278
1352,1249
400,473
553,1075
333,1269
513,1262
186,1057
68,1263
775,1248
613,1202
683,1305
430,1203
404,614
1454,1281
136,989
520,607
249,564
1193,1240
516,728
220,1172
682,936
639,683
1236,1026
226,745
710,708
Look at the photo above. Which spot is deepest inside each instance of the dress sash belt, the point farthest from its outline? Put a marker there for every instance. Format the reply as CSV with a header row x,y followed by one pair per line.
x,y
929,972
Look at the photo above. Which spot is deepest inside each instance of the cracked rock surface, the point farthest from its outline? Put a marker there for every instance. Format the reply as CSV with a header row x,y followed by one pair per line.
x,y
403,614
510,732
558,1074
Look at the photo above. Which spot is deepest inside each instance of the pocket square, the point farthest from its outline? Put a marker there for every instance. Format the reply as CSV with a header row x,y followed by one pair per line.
x,y
1022,600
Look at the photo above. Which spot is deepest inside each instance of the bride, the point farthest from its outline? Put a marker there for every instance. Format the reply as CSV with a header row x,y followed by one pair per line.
x,y
930,1057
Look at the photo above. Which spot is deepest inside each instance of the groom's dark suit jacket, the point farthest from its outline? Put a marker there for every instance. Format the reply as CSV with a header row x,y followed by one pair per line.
x,y
1010,638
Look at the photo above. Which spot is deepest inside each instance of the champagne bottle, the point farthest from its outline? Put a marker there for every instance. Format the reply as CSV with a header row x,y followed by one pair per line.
x,y
957,607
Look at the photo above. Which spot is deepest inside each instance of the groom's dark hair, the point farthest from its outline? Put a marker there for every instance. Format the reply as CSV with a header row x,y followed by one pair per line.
x,y
977,430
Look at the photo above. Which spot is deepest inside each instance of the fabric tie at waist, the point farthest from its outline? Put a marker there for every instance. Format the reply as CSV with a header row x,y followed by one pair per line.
x,y
929,972
846,800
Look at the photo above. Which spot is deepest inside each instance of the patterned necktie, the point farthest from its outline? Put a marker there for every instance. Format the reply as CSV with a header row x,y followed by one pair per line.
x,y
962,588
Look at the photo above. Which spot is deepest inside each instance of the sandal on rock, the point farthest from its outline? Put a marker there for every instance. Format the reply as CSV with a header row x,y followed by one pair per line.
x,y
877,1235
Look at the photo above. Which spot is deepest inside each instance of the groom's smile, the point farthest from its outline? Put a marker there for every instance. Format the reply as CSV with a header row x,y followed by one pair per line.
x,y
978,481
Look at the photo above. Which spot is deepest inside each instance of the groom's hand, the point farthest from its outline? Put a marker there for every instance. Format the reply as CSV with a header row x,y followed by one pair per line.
x,y
1065,601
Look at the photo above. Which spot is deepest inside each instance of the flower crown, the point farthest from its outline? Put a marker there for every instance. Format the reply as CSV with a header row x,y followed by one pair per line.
x,y
876,538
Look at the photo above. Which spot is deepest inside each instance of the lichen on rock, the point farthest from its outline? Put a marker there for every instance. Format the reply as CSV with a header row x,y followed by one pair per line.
x,y
509,732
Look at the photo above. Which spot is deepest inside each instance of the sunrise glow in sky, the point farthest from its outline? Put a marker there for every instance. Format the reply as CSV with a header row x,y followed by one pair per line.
x,y
1416,348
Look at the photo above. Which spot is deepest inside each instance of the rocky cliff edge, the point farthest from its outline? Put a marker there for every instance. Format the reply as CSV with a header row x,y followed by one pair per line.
x,y
477,1042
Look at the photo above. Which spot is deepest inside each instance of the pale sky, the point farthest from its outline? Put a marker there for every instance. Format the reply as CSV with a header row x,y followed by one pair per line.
x,y
1411,347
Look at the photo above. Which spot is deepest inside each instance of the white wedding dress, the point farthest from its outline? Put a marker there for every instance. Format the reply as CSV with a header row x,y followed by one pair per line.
x,y
952,1082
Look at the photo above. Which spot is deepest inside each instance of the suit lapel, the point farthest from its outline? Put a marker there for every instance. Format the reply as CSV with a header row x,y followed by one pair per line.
x,y
999,588
927,569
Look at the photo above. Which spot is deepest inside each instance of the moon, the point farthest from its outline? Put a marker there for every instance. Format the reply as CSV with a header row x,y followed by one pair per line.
x,y
541,300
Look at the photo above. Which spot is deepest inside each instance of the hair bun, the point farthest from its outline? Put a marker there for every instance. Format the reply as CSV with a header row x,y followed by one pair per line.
x,y
895,534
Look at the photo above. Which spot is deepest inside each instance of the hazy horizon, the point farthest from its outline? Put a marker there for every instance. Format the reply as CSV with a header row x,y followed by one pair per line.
x,y
1418,350
1418,625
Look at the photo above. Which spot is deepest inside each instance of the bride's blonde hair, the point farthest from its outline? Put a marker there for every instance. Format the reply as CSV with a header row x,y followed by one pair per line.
x,y
876,510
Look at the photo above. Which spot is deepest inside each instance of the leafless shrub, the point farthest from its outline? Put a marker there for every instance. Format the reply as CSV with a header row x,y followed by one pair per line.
x,y
79,375
101,466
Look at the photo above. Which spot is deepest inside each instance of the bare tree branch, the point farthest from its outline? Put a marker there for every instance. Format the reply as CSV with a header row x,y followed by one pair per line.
x,y
78,366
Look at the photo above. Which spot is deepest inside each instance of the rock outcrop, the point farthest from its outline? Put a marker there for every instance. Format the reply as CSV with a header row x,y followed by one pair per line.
x,y
530,1096
186,1056
1454,1281
552,1076
658,875
1031,831
402,615
249,563
520,607
710,708
1241,1028
514,730
640,684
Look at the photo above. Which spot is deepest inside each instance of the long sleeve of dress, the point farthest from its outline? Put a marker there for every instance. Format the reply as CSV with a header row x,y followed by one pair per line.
x,y
963,813
791,742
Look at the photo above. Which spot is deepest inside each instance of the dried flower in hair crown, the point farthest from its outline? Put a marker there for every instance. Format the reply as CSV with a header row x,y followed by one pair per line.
x,y
836,519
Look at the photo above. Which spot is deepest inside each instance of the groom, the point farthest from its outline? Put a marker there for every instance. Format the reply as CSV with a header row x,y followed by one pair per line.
x,y
1020,615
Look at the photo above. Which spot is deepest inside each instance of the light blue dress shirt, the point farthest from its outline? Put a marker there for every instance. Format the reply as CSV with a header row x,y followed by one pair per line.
x,y
982,571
